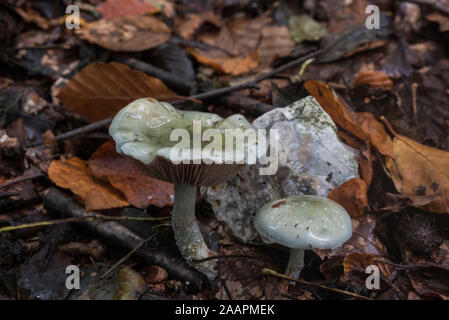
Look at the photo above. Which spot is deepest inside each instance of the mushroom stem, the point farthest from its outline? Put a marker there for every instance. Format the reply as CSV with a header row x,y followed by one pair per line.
x,y
295,263
187,233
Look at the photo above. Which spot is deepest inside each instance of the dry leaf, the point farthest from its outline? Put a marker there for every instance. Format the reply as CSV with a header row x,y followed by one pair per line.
x,y
361,124
74,174
187,27
155,274
352,196
100,90
344,14
123,174
242,43
118,8
375,79
363,240
131,33
420,170
355,265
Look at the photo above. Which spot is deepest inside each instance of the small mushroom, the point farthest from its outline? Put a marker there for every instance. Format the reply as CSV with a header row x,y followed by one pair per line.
x,y
303,222
142,131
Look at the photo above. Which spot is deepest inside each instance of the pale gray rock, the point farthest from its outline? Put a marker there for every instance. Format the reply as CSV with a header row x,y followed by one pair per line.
x,y
312,160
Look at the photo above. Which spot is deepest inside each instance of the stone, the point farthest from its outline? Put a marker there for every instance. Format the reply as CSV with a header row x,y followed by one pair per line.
x,y
312,160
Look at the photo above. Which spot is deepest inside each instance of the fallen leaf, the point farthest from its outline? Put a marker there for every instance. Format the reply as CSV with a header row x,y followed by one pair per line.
x,y
155,274
352,196
374,79
420,170
131,33
361,124
363,240
442,20
74,174
123,174
187,26
100,90
303,27
242,43
398,202
344,14
130,284
118,8
355,265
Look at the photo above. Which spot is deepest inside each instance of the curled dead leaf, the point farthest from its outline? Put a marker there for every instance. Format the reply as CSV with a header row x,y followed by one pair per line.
x,y
118,8
352,196
74,174
419,170
361,124
123,174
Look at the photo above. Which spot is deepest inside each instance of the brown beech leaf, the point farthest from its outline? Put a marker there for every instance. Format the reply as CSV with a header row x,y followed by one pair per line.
x,y
355,265
188,25
118,8
131,33
363,240
352,196
398,202
123,174
74,174
100,90
420,170
374,79
242,43
442,20
361,124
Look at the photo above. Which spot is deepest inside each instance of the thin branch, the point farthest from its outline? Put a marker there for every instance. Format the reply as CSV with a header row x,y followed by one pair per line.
x,y
20,179
77,219
126,257
273,273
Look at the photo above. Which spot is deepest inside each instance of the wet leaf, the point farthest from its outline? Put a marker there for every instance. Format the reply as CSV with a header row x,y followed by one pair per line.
x,y
352,196
361,124
123,174
131,33
74,174
100,90
420,170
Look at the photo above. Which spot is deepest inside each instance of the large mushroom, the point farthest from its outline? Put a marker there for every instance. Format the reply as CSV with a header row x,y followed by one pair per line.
x,y
145,131
303,222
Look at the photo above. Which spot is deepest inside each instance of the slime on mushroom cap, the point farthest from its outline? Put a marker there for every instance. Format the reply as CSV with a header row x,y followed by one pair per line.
x,y
304,222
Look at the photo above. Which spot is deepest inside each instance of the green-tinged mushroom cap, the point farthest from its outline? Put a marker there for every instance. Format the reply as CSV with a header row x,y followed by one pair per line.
x,y
142,131
150,132
303,222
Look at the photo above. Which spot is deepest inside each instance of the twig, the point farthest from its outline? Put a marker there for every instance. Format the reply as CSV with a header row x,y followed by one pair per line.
x,y
403,266
21,179
273,273
171,80
77,219
117,234
125,257
436,4
415,106
240,256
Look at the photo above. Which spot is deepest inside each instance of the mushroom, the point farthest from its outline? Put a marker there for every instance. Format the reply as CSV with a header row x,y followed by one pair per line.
x,y
143,131
303,222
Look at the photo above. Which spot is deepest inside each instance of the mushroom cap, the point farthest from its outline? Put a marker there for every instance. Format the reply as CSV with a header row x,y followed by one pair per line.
x,y
142,130
304,222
